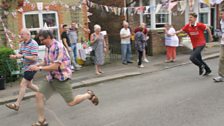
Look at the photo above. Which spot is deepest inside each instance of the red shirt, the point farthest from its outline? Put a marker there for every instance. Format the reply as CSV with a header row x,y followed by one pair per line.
x,y
145,31
196,34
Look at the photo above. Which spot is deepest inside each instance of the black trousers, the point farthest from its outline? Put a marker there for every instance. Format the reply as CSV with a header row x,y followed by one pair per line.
x,y
140,54
196,58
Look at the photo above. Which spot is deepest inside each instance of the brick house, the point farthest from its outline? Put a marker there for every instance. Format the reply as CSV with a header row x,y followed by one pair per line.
x,y
155,21
38,13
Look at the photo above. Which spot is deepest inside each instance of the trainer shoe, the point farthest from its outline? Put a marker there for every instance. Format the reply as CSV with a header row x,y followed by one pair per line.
x,y
218,79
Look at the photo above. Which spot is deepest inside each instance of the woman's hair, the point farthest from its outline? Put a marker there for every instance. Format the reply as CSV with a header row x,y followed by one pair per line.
x,y
46,33
169,25
141,29
96,26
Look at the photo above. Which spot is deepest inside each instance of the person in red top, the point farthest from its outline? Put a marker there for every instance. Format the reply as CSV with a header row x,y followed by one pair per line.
x,y
195,30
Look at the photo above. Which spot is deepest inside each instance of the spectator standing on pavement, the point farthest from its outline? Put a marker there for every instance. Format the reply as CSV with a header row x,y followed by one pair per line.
x,y
73,37
57,64
220,78
28,52
145,31
140,45
196,32
99,48
67,44
125,35
171,42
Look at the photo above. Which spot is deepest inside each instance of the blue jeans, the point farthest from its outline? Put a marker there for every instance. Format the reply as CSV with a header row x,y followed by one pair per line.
x,y
73,45
125,53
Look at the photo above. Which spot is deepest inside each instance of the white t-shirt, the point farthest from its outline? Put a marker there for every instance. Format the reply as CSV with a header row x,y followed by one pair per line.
x,y
125,32
171,40
222,30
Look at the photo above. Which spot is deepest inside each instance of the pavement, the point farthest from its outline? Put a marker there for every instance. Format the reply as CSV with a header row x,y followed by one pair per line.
x,y
113,70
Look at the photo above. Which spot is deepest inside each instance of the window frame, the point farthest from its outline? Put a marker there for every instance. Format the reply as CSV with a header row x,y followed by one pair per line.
x,y
41,22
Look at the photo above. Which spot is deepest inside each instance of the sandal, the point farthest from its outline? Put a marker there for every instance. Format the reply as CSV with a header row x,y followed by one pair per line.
x,y
13,106
93,98
41,123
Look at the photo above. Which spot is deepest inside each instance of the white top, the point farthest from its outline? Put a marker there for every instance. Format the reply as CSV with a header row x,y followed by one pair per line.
x,y
171,40
222,30
125,32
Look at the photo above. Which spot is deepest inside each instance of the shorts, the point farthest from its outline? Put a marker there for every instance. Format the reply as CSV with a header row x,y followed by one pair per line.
x,y
28,75
64,88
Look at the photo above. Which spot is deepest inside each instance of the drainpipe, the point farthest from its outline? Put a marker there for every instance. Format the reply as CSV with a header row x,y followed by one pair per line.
x,y
141,14
125,5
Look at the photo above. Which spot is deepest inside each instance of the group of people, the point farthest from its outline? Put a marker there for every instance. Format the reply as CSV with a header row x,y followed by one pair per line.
x,y
140,38
59,56
195,31
57,63
69,38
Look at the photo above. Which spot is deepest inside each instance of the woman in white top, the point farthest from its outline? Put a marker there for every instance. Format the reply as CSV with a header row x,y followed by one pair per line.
x,y
171,42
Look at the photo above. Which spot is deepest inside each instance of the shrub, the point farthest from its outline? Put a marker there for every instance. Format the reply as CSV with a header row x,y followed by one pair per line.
x,y
4,71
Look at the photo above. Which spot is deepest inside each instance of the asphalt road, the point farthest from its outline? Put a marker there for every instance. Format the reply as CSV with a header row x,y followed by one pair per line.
x,y
173,97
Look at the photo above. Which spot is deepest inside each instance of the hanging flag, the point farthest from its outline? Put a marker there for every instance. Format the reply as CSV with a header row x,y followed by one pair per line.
x,y
171,6
66,6
47,8
146,10
106,7
89,14
73,8
20,10
207,2
33,6
158,7
181,6
215,1
191,3
14,14
125,10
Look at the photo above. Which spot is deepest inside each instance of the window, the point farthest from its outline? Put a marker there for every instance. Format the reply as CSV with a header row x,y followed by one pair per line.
x,y
35,21
203,17
162,17
204,13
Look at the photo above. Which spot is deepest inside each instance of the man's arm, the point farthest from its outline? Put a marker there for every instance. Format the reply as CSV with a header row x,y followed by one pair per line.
x,y
124,36
210,33
179,31
51,67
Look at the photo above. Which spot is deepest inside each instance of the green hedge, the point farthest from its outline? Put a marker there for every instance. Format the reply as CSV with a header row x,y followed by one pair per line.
x,y
4,71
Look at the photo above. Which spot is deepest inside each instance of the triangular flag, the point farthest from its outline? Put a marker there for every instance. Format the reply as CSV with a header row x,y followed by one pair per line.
x,y
20,10
125,10
191,3
45,27
171,6
158,7
14,14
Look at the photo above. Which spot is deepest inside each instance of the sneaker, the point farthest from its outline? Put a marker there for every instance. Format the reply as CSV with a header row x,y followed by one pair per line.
x,y
146,60
140,66
168,61
125,63
129,62
218,79
78,66
201,70
207,72
72,67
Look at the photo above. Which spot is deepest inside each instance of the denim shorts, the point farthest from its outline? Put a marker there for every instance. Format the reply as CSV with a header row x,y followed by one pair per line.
x,y
28,75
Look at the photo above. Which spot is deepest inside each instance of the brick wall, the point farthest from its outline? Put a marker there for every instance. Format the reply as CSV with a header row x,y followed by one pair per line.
x,y
64,15
156,42
108,21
